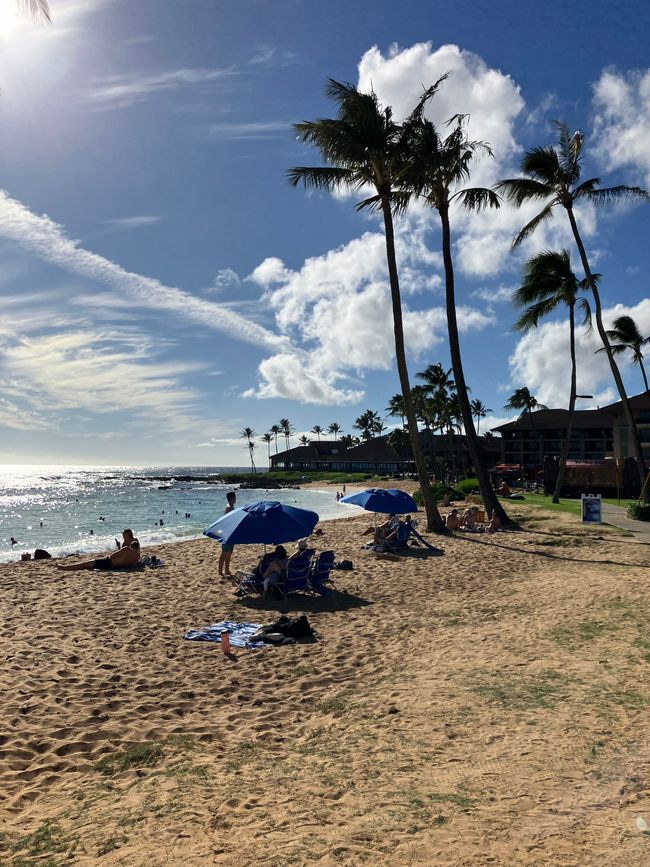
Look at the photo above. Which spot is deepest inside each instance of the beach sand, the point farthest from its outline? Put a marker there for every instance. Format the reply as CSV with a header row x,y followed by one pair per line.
x,y
490,706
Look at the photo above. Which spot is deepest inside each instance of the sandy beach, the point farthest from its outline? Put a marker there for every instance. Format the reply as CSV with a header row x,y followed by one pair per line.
x,y
490,706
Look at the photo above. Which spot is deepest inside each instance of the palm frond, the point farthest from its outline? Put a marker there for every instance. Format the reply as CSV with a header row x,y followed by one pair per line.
x,y
542,164
477,198
37,9
321,178
530,227
520,190
428,93
615,194
584,305
530,318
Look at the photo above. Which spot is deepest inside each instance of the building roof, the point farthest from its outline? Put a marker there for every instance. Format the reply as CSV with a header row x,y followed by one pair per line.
x,y
556,419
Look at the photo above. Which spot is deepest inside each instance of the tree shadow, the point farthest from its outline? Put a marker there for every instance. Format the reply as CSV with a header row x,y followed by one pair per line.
x,y
546,554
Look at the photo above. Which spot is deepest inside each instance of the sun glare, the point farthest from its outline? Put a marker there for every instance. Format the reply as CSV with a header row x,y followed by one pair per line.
x,y
10,18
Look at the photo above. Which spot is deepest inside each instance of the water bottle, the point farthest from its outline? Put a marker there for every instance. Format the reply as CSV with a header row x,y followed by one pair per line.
x,y
225,641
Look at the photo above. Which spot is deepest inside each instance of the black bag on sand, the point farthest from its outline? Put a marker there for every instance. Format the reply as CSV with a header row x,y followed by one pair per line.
x,y
285,630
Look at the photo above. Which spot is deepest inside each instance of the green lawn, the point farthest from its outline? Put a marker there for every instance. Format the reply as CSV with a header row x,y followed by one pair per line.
x,y
565,505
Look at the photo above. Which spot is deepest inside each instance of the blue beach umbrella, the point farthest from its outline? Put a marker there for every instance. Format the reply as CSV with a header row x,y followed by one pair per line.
x,y
264,523
390,501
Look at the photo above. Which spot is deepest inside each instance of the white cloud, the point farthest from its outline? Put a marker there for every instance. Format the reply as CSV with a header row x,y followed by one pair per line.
x,y
98,371
225,278
622,122
339,305
47,240
250,130
541,360
123,91
135,222
498,295
289,376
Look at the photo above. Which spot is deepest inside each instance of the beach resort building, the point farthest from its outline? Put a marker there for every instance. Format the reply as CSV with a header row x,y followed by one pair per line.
x,y
597,434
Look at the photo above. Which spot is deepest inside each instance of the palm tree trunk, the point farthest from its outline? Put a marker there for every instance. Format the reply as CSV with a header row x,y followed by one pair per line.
x,y
475,449
572,405
627,409
434,520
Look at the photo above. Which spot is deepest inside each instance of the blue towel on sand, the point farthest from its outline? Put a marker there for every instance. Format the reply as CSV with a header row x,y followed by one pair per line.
x,y
240,633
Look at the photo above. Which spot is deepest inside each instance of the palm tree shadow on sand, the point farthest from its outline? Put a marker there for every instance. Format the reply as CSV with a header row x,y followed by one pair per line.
x,y
547,554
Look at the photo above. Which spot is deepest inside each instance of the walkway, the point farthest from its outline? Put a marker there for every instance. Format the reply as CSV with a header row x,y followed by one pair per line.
x,y
617,516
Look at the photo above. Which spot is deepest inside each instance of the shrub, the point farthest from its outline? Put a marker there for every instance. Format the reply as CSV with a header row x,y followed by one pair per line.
x,y
439,491
640,511
468,486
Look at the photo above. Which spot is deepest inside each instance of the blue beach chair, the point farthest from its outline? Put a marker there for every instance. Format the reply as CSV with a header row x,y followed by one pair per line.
x,y
319,573
297,573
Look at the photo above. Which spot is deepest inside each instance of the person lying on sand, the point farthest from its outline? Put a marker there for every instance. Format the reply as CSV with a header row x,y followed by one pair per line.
x,y
123,559
453,520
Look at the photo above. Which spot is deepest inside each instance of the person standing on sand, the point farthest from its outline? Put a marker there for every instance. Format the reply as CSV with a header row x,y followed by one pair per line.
x,y
226,550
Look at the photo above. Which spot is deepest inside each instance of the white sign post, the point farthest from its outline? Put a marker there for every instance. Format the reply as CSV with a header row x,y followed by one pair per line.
x,y
591,508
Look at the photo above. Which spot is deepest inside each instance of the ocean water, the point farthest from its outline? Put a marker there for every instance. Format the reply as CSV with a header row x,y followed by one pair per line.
x,y
61,508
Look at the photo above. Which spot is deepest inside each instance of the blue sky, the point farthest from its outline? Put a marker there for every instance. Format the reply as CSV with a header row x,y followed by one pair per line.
x,y
162,285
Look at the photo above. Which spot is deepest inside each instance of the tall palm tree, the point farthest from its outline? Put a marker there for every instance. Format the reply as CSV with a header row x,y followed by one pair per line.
x,y
626,335
552,176
334,428
37,9
521,399
268,439
365,148
275,430
550,283
286,429
439,167
479,411
318,430
249,435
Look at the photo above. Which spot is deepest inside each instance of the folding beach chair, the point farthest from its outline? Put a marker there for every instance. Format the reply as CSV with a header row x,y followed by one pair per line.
x,y
297,573
254,582
319,572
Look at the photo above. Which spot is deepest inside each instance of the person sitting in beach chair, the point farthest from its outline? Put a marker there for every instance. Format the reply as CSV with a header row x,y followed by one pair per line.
x,y
385,532
276,570
127,557
400,540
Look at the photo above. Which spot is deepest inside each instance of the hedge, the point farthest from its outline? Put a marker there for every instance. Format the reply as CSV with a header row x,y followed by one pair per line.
x,y
439,490
640,511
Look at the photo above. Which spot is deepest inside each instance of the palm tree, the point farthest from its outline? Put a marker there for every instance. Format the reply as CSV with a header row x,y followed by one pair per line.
x,y
334,428
625,335
318,430
268,438
365,148
249,435
551,176
522,399
347,441
286,429
37,9
275,430
548,284
479,411
396,407
303,440
439,166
